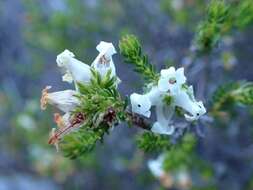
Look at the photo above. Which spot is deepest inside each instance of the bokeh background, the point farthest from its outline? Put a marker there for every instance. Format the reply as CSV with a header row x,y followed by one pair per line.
x,y
33,32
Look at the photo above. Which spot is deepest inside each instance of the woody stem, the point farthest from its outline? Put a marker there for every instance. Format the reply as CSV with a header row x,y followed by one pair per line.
x,y
139,121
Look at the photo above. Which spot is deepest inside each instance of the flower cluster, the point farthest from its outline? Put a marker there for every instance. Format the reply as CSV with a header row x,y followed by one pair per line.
x,y
172,84
95,105
67,101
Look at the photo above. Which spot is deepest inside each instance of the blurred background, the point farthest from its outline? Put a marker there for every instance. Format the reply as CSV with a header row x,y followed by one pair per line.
x,y
33,32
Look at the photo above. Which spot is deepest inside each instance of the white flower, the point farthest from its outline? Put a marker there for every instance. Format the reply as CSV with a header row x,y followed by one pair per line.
x,y
186,100
156,166
75,70
64,100
103,62
171,80
140,104
163,125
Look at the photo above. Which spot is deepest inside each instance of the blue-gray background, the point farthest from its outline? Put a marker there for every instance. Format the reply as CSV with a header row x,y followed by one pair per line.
x,y
33,32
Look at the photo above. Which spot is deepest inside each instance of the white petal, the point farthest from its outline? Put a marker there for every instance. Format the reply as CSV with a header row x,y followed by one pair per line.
x,y
181,79
63,100
62,58
190,118
79,71
163,85
140,104
168,72
180,71
106,48
160,129
103,62
202,110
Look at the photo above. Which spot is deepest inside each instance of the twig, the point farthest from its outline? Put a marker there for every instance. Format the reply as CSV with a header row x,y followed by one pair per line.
x,y
139,121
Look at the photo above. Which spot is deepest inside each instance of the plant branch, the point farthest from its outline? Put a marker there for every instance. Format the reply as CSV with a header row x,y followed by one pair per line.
x,y
139,121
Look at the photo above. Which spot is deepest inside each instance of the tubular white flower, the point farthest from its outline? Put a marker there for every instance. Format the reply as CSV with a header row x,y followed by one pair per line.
x,y
103,62
163,117
75,70
170,83
63,100
141,104
186,100
156,166
171,80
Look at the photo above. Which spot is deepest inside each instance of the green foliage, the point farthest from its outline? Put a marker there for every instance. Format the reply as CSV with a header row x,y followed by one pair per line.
x,y
81,142
211,29
182,12
150,142
243,13
233,93
217,11
221,18
98,97
102,106
180,155
131,49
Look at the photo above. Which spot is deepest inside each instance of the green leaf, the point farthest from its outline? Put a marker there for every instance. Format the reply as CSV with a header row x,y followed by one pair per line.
x,y
243,14
150,142
233,93
79,143
131,50
210,30
96,98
